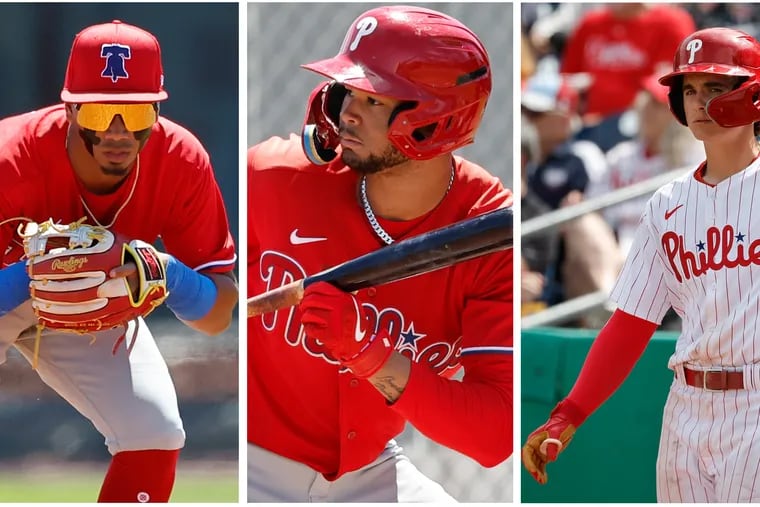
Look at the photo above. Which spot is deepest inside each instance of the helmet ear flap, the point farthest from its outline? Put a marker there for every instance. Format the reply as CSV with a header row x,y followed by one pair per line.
x,y
675,99
334,101
320,135
736,108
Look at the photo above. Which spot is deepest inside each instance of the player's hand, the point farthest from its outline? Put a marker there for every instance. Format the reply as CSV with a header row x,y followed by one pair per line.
x,y
338,320
549,439
129,271
320,136
571,199
531,286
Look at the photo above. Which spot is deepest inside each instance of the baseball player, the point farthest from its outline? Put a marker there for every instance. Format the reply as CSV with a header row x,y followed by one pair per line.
x,y
107,155
333,380
696,250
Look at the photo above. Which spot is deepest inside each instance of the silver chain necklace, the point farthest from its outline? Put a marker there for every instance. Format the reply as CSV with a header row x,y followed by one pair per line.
x,y
381,233
123,205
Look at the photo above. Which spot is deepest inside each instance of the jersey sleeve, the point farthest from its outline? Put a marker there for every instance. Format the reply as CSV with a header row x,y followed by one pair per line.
x,y
8,226
254,250
640,289
7,229
572,55
473,416
199,235
13,212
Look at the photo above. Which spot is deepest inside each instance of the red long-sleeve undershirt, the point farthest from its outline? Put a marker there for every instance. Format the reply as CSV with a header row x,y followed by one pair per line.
x,y
612,356
472,417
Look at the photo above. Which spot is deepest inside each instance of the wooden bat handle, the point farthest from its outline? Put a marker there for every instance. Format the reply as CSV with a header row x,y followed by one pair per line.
x,y
282,297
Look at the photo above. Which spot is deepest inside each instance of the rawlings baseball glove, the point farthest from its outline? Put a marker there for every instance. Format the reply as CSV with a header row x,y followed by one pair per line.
x,y
69,268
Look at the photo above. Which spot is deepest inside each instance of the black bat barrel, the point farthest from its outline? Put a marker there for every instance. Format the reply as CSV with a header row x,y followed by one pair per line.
x,y
480,235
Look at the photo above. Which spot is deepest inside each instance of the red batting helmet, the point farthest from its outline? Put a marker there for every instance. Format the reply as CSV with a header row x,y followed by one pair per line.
x,y
726,52
418,56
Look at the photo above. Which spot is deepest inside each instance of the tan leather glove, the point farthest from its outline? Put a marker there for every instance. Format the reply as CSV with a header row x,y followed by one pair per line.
x,y
551,438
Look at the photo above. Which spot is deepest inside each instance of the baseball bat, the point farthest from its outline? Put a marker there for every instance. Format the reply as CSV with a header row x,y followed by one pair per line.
x,y
467,239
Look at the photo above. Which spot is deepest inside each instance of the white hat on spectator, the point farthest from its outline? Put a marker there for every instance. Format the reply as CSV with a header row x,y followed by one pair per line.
x,y
549,92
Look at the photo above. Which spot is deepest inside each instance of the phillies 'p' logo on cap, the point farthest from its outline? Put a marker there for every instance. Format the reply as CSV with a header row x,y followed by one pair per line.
x,y
114,63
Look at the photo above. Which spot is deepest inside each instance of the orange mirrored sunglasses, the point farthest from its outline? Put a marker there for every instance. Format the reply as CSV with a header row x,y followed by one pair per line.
x,y
98,117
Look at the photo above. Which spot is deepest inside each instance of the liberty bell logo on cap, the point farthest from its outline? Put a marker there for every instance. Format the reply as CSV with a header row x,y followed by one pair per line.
x,y
114,63
115,56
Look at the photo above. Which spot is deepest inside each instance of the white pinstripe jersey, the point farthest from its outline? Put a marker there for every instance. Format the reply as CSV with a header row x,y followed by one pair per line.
x,y
697,249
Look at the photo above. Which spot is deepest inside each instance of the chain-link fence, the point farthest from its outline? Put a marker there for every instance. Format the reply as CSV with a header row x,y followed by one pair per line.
x,y
283,36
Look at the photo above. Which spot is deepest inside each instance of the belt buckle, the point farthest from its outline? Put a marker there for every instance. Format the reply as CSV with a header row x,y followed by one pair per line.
x,y
713,370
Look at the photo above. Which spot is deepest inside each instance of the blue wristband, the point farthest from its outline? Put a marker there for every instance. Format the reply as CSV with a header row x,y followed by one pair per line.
x,y
14,286
191,295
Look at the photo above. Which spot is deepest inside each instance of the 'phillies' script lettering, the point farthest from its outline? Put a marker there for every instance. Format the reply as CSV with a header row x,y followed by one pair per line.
x,y
277,269
714,254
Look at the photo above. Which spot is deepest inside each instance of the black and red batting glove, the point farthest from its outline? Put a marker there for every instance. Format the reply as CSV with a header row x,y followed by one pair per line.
x,y
338,320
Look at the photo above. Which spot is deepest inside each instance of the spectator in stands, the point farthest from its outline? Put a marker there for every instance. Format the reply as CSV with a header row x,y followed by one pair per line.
x,y
589,259
564,167
539,252
743,16
662,144
547,26
618,45
527,58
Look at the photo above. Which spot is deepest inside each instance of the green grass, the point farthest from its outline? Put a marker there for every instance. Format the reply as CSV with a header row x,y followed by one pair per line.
x,y
81,484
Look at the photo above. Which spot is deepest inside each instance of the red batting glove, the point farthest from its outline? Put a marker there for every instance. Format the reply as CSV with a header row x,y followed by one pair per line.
x,y
547,441
338,320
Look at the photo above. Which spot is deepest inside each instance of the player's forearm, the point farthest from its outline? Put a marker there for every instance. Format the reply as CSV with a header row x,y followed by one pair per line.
x,y
392,378
202,300
218,319
14,287
474,418
611,358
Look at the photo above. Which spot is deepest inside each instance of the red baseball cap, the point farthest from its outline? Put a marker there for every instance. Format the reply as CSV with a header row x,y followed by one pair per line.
x,y
659,92
114,63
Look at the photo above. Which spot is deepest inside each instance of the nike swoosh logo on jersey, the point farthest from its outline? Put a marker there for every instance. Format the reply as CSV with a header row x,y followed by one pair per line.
x,y
295,239
358,333
669,213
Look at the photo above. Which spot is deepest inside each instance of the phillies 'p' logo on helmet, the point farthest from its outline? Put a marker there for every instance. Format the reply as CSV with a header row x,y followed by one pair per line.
x,y
722,51
434,64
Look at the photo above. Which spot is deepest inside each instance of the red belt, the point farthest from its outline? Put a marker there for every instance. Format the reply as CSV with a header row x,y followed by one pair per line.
x,y
714,380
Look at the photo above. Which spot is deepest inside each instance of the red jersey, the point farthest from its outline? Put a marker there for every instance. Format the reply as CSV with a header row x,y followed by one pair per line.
x,y
175,193
301,403
620,53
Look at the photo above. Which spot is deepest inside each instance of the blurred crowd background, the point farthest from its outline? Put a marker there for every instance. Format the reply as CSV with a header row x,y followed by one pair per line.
x,y
594,119
199,44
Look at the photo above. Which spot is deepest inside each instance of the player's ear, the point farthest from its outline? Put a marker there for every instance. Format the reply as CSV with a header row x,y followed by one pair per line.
x,y
70,112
